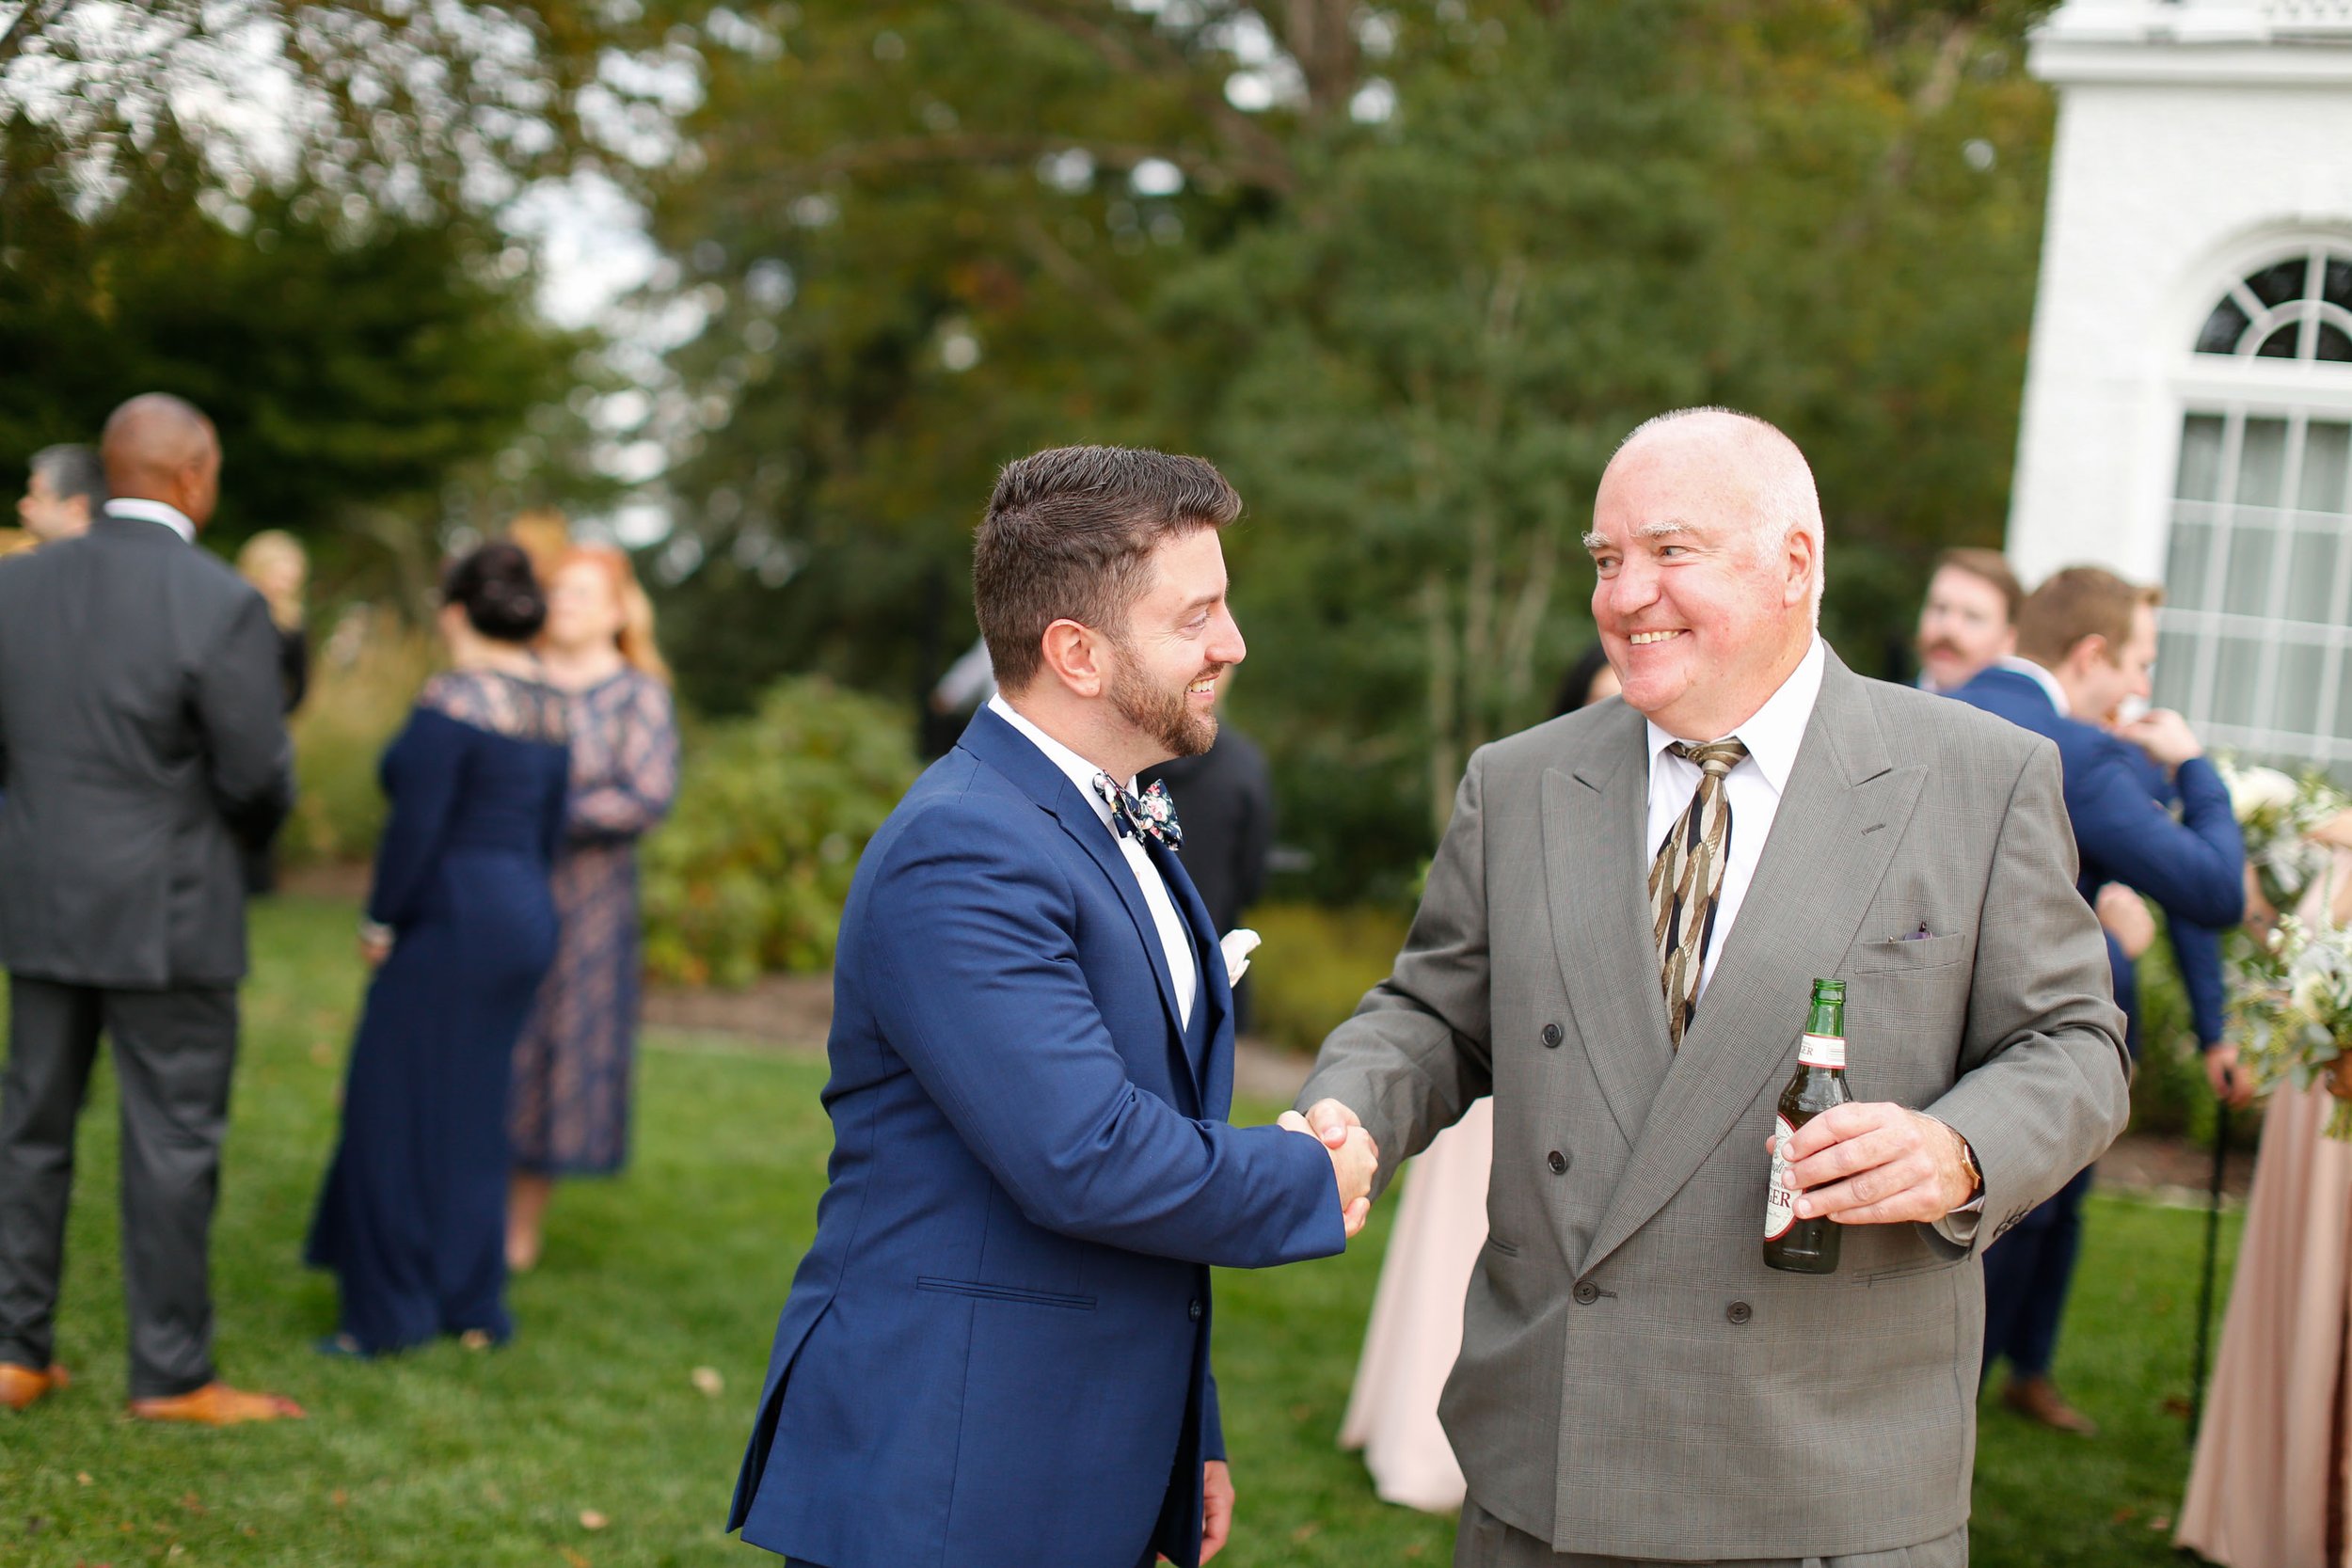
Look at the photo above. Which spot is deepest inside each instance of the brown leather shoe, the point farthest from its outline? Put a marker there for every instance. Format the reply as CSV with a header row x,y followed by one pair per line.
x,y
2037,1398
217,1404
21,1386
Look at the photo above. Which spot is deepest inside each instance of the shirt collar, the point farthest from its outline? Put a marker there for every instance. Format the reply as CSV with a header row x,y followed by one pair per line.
x,y
153,512
2042,679
1080,772
1776,730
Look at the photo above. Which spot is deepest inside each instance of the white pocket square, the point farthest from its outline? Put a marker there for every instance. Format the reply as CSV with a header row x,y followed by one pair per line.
x,y
1238,945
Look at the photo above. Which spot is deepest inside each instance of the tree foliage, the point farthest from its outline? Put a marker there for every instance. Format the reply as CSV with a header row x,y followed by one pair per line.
x,y
1406,273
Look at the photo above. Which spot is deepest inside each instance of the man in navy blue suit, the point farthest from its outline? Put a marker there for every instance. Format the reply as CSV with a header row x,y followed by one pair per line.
x,y
995,1354
2086,642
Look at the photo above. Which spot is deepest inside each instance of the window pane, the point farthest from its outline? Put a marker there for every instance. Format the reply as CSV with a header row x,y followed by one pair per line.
x,y
2344,702
2245,588
2281,344
2334,343
2295,702
2176,669
2311,576
2222,330
2337,288
2186,583
2235,672
2200,459
2262,462
2281,281
2327,456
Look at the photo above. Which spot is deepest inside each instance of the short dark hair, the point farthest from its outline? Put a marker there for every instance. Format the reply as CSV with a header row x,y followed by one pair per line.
x,y
72,469
1069,535
497,591
1989,566
2080,602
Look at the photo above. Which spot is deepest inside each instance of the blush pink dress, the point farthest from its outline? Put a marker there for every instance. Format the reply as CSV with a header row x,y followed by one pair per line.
x,y
1416,1327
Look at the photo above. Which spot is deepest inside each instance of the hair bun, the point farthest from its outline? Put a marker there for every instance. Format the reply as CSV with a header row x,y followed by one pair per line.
x,y
499,592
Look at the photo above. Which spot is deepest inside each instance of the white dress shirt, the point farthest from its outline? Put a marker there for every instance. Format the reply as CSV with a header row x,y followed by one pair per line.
x,y
2041,677
1753,787
1175,941
152,512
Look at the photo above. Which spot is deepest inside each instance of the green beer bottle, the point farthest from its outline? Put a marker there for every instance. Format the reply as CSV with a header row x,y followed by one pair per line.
x,y
1807,1246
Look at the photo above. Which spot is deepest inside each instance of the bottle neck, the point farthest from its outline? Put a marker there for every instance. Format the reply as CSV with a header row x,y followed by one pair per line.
x,y
1819,1049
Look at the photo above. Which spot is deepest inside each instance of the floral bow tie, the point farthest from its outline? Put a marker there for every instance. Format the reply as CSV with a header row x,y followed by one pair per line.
x,y
1150,815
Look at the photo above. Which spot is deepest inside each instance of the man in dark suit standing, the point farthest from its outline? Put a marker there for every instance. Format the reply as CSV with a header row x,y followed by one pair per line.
x,y
2086,641
141,743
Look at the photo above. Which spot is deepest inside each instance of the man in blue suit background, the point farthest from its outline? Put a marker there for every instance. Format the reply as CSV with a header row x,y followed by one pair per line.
x,y
996,1355
2086,641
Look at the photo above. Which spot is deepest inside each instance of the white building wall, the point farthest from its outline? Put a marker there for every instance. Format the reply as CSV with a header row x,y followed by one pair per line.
x,y
2189,135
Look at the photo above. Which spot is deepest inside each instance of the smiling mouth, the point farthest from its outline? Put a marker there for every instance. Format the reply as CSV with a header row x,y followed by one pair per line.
x,y
1643,639
1206,686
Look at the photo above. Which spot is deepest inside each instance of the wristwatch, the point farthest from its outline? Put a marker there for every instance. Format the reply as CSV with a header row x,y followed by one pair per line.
x,y
1968,1164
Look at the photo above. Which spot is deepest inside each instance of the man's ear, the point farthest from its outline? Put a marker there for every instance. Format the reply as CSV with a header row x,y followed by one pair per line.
x,y
1075,656
1804,566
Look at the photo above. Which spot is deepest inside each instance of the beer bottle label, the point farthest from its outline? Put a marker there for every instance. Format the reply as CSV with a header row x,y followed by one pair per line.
x,y
1780,1202
1823,1051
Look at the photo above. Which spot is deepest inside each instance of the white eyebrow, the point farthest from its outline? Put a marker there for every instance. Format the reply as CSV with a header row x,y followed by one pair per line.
x,y
1596,542
1660,530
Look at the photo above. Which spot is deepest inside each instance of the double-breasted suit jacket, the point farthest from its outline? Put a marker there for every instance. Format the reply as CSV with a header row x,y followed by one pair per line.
x,y
1633,1380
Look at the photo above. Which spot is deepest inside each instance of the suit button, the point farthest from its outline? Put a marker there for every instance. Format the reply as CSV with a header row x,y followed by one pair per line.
x,y
1551,1036
1194,1311
1558,1162
1739,1313
1587,1294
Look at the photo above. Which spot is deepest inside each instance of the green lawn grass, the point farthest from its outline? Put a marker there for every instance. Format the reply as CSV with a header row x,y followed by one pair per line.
x,y
447,1458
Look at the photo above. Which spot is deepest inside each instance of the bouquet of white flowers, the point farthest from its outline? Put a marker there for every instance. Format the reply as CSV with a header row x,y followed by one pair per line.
x,y
2276,813
2292,1012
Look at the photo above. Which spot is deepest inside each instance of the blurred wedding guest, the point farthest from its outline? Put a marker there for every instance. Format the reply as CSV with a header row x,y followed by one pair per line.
x,y
1225,798
1969,619
576,1059
2085,644
1416,1327
275,563
64,490
140,744
545,535
461,929
2268,1487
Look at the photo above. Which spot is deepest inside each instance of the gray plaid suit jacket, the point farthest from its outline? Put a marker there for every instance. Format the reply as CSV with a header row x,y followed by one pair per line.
x,y
1633,1381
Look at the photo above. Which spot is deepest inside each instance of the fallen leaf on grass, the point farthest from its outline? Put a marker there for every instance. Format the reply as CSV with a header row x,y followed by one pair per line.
x,y
2161,1522
81,1478
575,1559
340,1497
709,1381
1307,1531
2123,1515
194,1504
2176,1406
591,1519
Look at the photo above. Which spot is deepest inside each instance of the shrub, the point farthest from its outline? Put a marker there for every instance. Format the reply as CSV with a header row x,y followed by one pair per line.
x,y
1316,965
749,873
364,678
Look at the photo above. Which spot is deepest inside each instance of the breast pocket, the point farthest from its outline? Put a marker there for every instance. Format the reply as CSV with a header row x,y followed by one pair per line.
x,y
1907,955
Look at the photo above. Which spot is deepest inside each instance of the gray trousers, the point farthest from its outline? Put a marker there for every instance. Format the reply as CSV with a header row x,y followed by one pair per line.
x,y
174,1052
1485,1541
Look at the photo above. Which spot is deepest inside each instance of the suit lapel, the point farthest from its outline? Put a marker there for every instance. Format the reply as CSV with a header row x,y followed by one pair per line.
x,y
1600,926
1839,823
1212,1069
1011,754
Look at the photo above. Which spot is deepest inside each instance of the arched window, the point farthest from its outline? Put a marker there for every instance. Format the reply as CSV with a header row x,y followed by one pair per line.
x,y
2256,643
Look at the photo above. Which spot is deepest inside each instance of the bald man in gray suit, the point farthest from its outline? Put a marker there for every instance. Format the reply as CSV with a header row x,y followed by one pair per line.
x,y
1617,942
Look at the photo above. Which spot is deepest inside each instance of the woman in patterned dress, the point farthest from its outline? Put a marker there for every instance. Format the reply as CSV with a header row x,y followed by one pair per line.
x,y
573,1067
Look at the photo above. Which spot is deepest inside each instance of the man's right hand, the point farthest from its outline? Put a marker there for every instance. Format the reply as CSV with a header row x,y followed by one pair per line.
x,y
1355,1159
2165,735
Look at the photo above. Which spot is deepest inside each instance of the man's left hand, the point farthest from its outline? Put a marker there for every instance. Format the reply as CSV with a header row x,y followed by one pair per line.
x,y
1216,1509
1877,1164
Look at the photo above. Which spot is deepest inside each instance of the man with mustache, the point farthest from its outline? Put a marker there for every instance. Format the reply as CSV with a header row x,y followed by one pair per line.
x,y
995,1354
1618,942
1969,619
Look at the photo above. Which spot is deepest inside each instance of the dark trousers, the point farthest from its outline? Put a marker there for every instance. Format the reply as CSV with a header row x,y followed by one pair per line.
x,y
174,1053
2028,1275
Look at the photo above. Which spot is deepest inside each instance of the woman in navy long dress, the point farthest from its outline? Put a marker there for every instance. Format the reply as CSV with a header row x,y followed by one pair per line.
x,y
463,926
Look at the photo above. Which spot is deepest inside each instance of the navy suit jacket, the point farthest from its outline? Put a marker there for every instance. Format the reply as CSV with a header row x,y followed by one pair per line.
x,y
2194,867
995,1353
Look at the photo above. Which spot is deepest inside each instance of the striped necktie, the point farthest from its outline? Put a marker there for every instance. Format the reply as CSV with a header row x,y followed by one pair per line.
x,y
1686,877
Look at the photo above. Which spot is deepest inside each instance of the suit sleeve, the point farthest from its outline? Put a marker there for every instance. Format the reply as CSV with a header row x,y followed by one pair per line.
x,y
421,773
2195,867
239,698
2044,1079
2197,952
1418,1050
983,996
